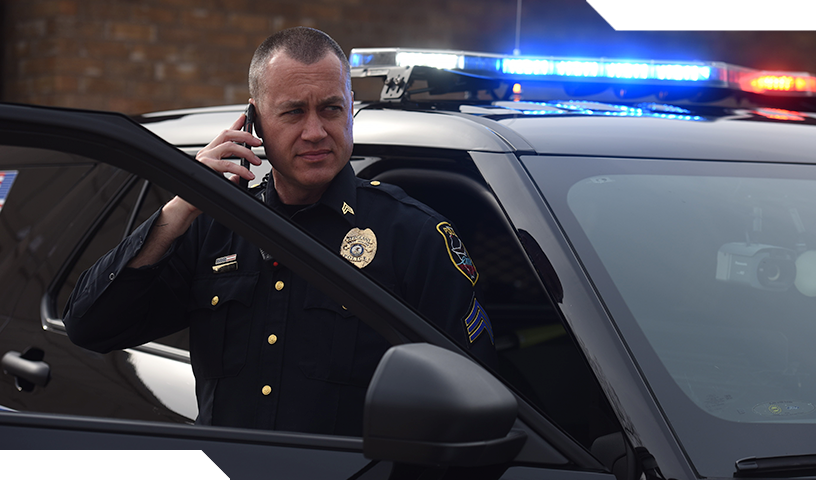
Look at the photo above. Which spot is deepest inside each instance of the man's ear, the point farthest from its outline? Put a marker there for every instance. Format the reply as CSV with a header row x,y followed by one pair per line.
x,y
257,124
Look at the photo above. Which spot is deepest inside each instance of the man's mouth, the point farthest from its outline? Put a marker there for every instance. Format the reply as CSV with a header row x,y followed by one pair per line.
x,y
315,155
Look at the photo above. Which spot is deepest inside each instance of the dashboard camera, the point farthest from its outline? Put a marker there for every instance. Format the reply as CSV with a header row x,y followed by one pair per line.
x,y
760,266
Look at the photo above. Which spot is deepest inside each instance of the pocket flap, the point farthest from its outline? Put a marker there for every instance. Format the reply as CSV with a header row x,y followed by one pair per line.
x,y
316,299
216,291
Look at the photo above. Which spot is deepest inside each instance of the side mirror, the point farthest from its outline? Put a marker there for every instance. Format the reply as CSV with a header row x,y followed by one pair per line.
x,y
430,406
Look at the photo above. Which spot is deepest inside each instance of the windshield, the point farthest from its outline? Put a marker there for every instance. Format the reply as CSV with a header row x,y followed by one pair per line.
x,y
709,270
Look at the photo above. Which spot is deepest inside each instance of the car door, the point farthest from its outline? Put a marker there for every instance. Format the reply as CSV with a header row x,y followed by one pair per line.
x,y
108,141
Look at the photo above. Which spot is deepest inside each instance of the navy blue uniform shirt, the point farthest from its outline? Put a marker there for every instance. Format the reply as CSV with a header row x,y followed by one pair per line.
x,y
268,350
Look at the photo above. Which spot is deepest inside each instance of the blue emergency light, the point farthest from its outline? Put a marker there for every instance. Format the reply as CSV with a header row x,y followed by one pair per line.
x,y
378,61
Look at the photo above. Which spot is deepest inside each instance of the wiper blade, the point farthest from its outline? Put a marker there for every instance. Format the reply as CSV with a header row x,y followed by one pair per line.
x,y
784,466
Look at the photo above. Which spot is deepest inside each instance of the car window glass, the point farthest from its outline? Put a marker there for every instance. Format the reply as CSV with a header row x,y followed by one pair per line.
x,y
109,234
140,202
536,354
53,201
36,183
708,271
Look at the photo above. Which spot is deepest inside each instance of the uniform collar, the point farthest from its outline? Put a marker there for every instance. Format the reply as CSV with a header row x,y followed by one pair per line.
x,y
340,197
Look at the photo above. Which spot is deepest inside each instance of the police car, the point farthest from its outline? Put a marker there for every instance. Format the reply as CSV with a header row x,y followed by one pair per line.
x,y
644,232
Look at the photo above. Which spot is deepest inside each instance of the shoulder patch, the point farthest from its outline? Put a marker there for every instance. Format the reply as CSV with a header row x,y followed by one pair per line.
x,y
477,322
458,253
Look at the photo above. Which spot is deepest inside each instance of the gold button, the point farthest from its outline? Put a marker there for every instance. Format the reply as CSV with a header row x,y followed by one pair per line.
x,y
214,300
272,339
344,307
375,182
279,285
266,390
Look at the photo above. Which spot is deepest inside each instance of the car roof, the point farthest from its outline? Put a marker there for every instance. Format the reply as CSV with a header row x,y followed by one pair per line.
x,y
547,128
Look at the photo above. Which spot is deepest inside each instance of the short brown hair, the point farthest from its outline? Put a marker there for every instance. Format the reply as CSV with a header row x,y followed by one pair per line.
x,y
304,44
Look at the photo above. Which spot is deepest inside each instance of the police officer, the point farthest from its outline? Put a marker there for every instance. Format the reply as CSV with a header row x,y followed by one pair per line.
x,y
268,350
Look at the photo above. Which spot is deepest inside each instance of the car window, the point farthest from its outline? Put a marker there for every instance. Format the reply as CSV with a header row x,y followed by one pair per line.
x,y
32,181
50,202
708,270
537,356
137,205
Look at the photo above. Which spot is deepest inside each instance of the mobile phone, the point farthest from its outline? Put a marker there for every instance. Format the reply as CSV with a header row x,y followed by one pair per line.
x,y
248,124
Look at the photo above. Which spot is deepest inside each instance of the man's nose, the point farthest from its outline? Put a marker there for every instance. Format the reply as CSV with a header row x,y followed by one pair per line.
x,y
313,130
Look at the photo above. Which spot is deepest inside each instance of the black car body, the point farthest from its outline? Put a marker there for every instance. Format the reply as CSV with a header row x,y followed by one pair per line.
x,y
648,267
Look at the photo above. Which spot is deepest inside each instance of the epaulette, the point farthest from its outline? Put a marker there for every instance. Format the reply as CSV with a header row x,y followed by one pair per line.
x,y
398,194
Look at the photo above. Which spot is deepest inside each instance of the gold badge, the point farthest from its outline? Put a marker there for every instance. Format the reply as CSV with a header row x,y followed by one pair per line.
x,y
359,247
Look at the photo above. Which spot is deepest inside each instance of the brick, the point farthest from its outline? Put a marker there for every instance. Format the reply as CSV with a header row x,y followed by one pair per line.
x,y
203,18
53,8
132,32
78,66
56,46
190,4
226,76
105,49
151,14
108,10
71,27
247,23
182,72
104,86
175,34
236,93
207,57
31,29
36,66
64,84
129,70
154,90
202,93
233,40
322,11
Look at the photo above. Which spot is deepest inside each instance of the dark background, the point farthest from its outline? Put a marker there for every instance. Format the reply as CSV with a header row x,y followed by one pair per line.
x,y
139,56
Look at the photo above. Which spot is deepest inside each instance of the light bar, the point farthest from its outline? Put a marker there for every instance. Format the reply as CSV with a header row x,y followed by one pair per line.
x,y
543,68
606,69
445,61
377,61
777,82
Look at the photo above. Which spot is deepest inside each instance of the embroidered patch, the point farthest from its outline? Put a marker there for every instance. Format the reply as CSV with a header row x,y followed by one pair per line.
x,y
477,322
458,253
359,247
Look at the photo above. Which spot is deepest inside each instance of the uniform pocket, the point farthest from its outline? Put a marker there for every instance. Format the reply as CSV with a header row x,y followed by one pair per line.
x,y
332,331
346,349
220,319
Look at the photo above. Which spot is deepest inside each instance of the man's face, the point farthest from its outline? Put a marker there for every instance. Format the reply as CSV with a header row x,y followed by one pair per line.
x,y
305,114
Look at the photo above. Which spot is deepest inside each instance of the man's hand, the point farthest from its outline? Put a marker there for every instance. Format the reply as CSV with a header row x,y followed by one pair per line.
x,y
178,214
229,144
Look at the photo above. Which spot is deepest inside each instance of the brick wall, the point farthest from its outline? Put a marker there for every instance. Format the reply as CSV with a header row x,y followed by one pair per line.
x,y
137,56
